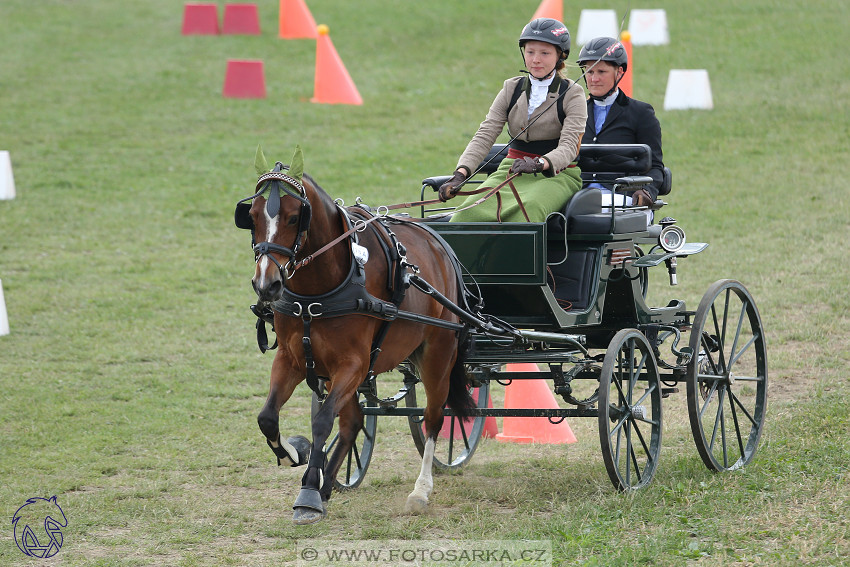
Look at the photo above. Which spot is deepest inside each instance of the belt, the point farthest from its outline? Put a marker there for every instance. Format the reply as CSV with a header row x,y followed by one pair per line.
x,y
514,153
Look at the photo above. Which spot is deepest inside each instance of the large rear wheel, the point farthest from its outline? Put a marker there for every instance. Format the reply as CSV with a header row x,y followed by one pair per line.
x,y
630,410
727,377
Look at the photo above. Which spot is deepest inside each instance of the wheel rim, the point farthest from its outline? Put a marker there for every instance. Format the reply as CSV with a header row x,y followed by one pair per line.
x,y
450,453
630,411
354,465
727,379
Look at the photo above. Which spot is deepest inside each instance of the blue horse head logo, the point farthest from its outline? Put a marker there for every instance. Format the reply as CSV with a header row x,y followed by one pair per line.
x,y
31,518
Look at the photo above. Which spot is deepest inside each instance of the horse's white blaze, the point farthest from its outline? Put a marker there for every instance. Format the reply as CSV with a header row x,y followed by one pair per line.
x,y
425,482
271,232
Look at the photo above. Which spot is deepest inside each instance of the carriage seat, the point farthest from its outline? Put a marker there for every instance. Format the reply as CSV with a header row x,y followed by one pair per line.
x,y
607,163
583,213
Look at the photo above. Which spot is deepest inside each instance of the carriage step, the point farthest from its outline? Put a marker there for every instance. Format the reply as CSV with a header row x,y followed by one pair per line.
x,y
665,392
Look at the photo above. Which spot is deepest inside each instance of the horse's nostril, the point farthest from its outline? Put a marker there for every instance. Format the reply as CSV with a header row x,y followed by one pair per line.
x,y
274,290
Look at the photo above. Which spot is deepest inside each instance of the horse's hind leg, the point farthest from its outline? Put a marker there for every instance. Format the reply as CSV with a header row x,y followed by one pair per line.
x,y
417,501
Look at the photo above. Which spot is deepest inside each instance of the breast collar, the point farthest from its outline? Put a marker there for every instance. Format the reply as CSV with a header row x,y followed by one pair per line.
x,y
351,295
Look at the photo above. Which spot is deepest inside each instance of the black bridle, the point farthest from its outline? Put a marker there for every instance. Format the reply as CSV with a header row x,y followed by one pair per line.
x,y
274,182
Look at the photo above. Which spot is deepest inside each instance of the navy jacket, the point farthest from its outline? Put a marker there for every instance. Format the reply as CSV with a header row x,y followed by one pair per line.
x,y
629,121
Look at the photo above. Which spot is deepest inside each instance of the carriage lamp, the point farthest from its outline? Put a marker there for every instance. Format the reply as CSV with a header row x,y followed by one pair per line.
x,y
672,238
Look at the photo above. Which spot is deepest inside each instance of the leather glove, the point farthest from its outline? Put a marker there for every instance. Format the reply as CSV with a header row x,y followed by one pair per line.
x,y
641,198
526,165
450,188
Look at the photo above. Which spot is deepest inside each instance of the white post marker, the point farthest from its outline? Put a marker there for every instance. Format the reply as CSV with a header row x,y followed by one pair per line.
x,y
7,180
597,23
688,88
4,321
649,27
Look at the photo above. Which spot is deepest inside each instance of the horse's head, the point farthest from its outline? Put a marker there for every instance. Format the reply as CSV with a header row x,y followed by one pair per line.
x,y
278,215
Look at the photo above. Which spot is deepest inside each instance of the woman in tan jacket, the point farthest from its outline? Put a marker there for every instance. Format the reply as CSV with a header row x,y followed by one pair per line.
x,y
546,115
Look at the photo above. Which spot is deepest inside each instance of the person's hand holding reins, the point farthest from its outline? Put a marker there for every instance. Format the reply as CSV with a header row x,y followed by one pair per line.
x,y
450,188
641,198
526,165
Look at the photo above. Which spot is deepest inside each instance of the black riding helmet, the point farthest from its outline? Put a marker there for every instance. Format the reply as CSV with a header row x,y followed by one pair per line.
x,y
599,49
547,30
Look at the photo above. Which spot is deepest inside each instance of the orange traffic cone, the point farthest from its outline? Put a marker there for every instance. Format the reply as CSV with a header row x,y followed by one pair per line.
x,y
491,428
550,9
244,79
295,20
626,81
241,19
200,19
532,394
333,84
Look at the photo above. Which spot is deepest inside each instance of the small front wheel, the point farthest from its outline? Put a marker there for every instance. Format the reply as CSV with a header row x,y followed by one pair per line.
x,y
630,410
727,377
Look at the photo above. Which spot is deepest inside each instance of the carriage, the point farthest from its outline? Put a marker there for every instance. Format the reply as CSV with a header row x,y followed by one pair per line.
x,y
570,295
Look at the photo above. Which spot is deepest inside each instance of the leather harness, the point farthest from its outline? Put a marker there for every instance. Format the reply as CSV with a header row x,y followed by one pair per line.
x,y
352,297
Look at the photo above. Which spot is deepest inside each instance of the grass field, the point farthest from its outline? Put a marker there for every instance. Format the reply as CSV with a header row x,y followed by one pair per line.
x,y
130,382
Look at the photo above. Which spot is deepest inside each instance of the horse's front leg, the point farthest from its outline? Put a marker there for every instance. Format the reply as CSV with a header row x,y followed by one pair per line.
x,y
294,450
310,506
350,425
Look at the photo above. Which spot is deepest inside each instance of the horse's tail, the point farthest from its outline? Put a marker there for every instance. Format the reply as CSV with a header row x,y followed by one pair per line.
x,y
460,400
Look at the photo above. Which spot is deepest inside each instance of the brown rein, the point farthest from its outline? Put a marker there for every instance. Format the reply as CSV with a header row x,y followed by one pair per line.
x,y
489,190
359,225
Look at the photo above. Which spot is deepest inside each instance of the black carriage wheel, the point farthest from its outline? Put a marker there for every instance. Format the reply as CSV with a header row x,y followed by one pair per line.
x,y
727,377
630,410
354,465
449,453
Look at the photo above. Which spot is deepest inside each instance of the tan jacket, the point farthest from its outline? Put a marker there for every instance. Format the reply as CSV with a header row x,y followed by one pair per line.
x,y
547,127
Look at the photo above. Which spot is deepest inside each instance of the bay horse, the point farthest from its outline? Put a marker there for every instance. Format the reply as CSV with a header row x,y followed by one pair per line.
x,y
332,296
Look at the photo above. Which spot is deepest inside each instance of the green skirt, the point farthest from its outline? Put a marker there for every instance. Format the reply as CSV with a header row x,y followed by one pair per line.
x,y
540,195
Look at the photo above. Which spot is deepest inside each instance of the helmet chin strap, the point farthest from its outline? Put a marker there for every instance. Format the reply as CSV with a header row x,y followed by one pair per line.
x,y
606,95
527,72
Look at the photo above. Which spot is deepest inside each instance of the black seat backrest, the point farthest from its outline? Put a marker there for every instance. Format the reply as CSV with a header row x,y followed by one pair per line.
x,y
494,157
603,163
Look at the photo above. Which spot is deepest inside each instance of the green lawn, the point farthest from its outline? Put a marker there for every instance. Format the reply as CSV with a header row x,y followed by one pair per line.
x,y
130,381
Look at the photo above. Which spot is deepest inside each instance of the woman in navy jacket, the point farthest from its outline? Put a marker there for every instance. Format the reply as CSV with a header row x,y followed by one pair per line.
x,y
613,117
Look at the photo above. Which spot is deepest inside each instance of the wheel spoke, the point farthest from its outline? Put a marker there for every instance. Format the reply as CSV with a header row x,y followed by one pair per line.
x,y
735,399
737,333
743,350
708,398
641,439
630,454
332,444
620,423
646,392
735,421
634,459
718,419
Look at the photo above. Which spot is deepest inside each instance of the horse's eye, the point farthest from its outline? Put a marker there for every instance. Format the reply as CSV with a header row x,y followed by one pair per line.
x,y
292,220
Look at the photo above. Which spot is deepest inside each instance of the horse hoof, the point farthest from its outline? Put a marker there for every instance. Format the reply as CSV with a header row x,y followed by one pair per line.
x,y
416,505
304,516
